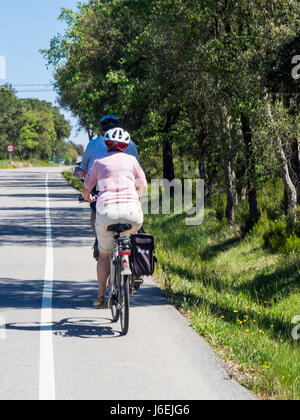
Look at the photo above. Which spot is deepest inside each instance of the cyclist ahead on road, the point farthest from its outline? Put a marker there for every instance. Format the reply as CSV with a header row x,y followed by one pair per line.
x,y
121,183
96,149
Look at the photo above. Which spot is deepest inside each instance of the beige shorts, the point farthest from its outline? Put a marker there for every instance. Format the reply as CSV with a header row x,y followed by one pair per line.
x,y
115,213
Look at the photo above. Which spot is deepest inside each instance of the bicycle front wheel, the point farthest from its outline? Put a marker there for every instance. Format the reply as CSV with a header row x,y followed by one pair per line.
x,y
125,303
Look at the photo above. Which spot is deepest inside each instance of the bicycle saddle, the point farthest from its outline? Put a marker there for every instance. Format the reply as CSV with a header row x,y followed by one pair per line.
x,y
119,228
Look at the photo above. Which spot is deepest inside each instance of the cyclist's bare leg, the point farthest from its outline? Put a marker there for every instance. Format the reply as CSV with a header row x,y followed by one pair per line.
x,y
103,272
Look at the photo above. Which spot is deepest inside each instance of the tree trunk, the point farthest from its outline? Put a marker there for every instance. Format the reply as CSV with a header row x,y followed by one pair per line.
x,y
20,155
291,193
168,164
168,169
241,185
228,170
295,166
252,192
230,190
298,180
201,161
90,132
292,152
185,167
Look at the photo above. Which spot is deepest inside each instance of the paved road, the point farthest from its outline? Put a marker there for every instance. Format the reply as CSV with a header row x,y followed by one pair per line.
x,y
53,344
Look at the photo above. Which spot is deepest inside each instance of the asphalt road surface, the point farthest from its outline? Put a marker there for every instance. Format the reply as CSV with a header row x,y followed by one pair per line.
x,y
53,344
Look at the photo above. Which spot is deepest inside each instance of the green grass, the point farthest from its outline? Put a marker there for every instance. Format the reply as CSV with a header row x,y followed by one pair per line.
x,y
4,164
72,180
236,294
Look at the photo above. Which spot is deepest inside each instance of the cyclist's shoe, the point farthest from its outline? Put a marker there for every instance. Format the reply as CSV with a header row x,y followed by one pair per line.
x,y
100,303
96,250
137,283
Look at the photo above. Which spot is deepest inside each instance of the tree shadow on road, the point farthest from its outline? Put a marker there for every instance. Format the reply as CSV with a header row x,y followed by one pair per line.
x,y
24,223
26,226
27,294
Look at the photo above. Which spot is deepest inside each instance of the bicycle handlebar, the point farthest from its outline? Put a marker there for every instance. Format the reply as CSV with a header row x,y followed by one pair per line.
x,y
82,200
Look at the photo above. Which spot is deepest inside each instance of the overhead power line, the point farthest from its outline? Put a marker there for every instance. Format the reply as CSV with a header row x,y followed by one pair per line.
x,y
28,91
34,91
33,84
35,87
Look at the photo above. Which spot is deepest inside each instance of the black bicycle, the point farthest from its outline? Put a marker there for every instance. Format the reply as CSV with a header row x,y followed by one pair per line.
x,y
121,279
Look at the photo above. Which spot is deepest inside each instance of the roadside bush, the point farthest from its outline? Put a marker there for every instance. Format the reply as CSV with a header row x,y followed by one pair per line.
x,y
275,237
292,244
271,199
72,180
220,206
246,225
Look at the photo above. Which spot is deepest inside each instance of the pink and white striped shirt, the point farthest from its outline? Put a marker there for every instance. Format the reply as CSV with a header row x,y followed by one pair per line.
x,y
116,176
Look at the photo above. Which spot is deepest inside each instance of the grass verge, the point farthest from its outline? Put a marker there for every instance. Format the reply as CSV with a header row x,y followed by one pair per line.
x,y
16,164
72,180
240,297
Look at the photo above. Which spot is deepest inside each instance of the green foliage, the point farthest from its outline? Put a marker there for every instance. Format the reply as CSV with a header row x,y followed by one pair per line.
x,y
219,206
195,76
271,199
292,244
68,152
73,180
273,235
10,118
36,128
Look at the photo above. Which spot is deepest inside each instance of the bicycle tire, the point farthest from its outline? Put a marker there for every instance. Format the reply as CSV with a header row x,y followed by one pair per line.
x,y
114,301
115,312
125,303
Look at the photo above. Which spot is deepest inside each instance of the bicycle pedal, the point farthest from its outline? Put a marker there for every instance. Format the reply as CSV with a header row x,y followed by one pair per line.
x,y
100,307
137,284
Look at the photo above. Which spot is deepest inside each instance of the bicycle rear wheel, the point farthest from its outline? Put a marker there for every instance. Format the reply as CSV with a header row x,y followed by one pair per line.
x,y
114,305
125,303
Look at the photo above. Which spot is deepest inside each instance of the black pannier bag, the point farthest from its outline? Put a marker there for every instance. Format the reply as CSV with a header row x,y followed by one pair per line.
x,y
142,255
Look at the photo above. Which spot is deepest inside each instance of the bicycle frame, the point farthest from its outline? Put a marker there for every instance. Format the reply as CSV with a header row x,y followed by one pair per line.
x,y
120,258
121,281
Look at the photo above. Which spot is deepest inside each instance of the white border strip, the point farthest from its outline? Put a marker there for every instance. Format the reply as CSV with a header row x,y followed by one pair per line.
x,y
47,375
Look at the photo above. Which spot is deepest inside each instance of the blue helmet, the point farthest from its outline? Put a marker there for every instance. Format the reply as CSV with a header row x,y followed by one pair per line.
x,y
108,122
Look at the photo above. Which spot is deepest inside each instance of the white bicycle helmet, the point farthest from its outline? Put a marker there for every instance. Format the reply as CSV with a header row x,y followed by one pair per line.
x,y
117,138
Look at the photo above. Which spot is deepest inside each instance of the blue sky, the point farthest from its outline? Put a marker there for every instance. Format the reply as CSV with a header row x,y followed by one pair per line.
x,y
26,26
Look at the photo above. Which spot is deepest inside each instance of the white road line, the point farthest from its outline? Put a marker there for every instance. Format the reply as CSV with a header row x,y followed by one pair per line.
x,y
47,375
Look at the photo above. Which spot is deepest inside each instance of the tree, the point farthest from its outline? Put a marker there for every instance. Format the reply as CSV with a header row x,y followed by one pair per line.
x,y
10,118
189,80
36,128
49,126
